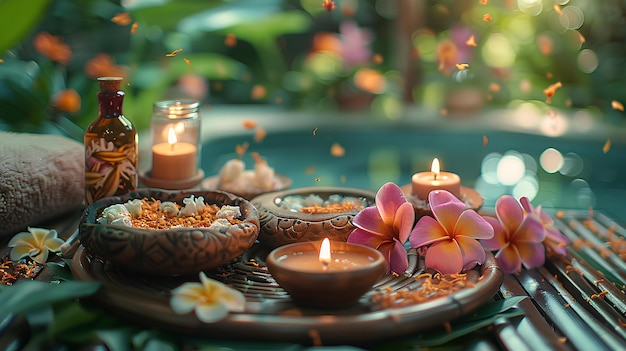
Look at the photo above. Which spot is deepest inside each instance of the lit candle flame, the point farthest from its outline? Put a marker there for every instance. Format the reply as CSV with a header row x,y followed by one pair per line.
x,y
325,253
435,168
171,137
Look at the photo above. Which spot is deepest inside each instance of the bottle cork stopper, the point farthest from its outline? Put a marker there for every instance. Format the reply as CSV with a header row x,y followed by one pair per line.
x,y
110,84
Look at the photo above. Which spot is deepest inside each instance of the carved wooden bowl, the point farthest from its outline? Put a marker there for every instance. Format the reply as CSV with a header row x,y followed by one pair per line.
x,y
282,226
175,251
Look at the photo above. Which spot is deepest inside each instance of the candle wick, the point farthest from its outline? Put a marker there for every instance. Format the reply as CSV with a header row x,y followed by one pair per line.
x,y
435,176
172,146
325,265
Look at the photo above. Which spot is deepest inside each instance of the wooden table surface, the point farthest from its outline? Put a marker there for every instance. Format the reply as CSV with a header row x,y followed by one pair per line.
x,y
573,303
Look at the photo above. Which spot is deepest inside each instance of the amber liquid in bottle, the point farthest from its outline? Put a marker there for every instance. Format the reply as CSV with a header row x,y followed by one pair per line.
x,y
110,146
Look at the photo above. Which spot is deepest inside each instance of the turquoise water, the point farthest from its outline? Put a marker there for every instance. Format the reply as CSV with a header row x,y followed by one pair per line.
x,y
374,155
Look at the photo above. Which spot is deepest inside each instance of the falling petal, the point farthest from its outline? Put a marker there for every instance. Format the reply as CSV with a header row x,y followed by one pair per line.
x,y
445,257
607,146
471,41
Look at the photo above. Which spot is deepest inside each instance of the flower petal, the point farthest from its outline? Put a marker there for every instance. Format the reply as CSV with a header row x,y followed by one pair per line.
x,y
473,225
403,222
532,254
530,230
211,312
509,212
181,303
20,251
500,236
363,237
555,241
509,260
54,244
23,238
473,252
446,208
526,205
369,219
388,199
395,256
39,256
445,257
427,231
233,299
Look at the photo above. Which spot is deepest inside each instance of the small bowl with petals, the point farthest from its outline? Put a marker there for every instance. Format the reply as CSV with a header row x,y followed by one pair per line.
x,y
180,250
309,214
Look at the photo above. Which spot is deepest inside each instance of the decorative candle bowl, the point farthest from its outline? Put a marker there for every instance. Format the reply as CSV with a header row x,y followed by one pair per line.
x,y
281,225
281,182
309,285
174,251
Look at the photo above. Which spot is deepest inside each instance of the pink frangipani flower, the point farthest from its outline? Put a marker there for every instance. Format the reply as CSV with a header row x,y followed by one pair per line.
x,y
518,236
555,242
386,226
452,234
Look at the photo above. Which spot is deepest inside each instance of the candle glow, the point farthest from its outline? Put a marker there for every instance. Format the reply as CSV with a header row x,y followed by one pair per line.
x,y
171,137
324,256
173,160
424,182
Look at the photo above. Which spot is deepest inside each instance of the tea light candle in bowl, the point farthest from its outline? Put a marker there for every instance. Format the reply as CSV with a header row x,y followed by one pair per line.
x,y
326,274
424,182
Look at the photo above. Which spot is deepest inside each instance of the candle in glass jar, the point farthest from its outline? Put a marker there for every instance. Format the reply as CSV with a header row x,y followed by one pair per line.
x,y
424,182
173,160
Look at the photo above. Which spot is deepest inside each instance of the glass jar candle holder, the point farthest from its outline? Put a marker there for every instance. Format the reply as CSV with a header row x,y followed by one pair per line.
x,y
176,145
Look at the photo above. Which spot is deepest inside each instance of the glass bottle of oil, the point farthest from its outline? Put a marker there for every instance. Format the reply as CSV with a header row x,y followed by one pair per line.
x,y
111,147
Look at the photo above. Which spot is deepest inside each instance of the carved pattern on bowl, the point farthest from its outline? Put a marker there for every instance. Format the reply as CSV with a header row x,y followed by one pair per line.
x,y
281,226
176,251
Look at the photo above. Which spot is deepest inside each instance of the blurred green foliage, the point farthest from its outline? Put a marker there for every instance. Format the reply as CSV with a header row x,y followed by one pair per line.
x,y
268,52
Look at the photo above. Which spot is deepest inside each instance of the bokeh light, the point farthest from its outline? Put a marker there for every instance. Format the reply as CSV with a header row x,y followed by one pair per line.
x,y
551,160
511,168
530,7
587,60
498,52
571,17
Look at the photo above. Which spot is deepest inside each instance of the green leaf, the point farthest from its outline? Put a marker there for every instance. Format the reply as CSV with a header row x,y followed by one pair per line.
x,y
483,317
60,270
17,19
28,295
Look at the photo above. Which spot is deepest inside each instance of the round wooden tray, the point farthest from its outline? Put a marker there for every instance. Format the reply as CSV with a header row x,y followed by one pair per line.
x,y
270,315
